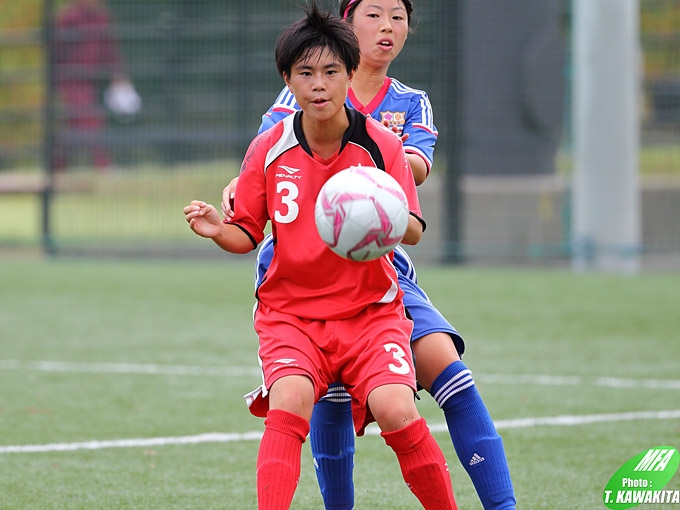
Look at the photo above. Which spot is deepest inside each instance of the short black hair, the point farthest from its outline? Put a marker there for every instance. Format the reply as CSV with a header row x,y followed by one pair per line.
x,y
316,30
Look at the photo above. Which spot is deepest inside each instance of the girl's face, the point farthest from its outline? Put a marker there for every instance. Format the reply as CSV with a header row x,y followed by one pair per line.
x,y
320,83
381,27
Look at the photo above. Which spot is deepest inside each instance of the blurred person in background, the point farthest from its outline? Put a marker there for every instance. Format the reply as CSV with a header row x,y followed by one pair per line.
x,y
87,58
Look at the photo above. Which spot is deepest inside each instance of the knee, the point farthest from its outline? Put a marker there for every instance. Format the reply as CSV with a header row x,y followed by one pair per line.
x,y
293,394
394,414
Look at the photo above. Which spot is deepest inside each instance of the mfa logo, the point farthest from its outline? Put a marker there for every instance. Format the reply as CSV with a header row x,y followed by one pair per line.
x,y
642,479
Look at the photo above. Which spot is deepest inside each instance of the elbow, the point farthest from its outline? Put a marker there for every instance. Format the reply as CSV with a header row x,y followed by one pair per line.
x,y
412,238
414,231
234,240
419,168
419,175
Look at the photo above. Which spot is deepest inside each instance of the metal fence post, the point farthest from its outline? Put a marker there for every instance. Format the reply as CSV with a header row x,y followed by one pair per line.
x,y
47,240
452,132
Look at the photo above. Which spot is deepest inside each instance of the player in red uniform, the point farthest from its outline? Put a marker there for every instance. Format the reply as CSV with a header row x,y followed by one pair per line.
x,y
321,318
382,27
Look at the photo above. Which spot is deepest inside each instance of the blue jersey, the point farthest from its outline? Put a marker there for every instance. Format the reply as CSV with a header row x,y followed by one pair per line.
x,y
401,107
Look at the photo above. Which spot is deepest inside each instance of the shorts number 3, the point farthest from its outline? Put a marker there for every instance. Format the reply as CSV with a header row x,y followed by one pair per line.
x,y
399,355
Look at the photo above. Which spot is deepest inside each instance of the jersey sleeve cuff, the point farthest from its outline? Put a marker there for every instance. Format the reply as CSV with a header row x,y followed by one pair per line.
x,y
421,220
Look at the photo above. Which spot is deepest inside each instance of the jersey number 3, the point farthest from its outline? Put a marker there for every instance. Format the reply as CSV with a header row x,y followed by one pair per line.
x,y
288,192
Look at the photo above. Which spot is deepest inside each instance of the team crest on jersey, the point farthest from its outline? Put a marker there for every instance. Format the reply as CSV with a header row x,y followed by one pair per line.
x,y
393,119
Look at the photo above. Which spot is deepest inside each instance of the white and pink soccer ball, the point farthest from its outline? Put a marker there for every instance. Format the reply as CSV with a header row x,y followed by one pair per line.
x,y
361,213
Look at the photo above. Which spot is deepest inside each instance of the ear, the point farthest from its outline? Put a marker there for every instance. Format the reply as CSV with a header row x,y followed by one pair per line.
x,y
351,77
286,79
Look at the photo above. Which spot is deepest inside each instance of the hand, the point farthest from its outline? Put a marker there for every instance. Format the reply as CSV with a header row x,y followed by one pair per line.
x,y
121,97
203,218
228,194
395,130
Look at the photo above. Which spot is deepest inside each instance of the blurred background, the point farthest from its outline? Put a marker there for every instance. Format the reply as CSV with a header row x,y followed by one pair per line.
x,y
114,114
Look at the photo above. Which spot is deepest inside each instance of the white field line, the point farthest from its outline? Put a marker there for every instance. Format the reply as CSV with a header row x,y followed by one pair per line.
x,y
218,437
155,369
128,368
550,380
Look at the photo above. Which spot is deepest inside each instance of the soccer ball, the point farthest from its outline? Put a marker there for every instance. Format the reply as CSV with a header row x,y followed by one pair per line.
x,y
361,213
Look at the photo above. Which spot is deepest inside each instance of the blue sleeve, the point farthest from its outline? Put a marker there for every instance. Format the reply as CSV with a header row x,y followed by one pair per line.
x,y
404,265
284,105
264,259
266,123
422,133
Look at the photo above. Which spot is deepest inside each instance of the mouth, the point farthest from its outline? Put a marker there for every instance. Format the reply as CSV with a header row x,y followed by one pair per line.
x,y
385,43
319,101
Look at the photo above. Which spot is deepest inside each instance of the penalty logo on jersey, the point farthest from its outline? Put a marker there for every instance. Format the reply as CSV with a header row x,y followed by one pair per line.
x,y
641,480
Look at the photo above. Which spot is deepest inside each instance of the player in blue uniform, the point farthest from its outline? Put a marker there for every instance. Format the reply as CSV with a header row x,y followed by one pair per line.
x,y
381,27
404,109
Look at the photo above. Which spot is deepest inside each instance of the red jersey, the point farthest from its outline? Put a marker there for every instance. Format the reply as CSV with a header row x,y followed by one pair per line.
x,y
281,179
85,46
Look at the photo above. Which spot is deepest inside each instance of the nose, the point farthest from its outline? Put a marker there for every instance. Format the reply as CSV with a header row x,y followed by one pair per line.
x,y
319,81
386,25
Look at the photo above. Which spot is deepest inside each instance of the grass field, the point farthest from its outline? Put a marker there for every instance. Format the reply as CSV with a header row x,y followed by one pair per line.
x,y
134,207
113,372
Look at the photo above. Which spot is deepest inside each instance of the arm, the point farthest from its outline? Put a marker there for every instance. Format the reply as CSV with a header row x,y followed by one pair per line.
x,y
401,170
205,221
414,231
418,167
228,194
421,136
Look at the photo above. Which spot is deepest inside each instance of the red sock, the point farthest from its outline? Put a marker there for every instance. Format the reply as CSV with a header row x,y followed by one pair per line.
x,y
278,461
422,465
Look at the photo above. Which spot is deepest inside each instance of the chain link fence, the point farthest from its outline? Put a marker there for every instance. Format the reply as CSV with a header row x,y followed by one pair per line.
x,y
80,175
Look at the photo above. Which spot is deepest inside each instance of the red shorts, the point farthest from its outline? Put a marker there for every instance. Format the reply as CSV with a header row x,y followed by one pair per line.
x,y
363,352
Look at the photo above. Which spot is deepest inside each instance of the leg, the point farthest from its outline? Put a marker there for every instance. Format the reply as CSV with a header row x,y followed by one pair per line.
x,y
437,347
94,123
421,460
332,441
286,427
86,118
478,445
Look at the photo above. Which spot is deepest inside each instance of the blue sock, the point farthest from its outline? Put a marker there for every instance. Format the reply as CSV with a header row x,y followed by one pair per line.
x,y
478,445
332,441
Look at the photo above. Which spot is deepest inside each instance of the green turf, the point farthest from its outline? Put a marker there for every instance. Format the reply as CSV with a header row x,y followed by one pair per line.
x,y
138,207
654,160
197,314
